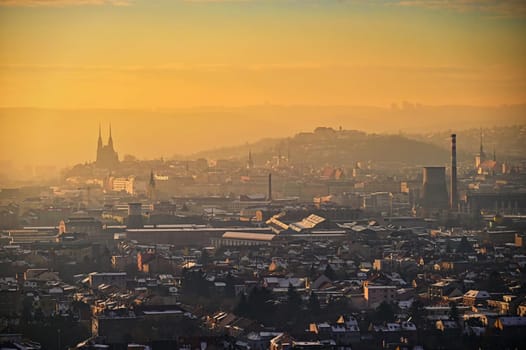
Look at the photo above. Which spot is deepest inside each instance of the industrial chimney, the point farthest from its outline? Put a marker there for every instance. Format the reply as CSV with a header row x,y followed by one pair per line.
x,y
453,198
269,187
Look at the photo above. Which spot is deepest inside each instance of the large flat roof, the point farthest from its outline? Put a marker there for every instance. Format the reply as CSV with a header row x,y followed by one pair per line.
x,y
199,229
249,236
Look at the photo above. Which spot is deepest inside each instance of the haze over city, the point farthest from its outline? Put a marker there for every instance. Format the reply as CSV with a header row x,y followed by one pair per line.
x,y
262,174
66,137
281,65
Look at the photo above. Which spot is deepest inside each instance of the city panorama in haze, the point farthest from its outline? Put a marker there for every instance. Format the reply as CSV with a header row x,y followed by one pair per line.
x,y
262,175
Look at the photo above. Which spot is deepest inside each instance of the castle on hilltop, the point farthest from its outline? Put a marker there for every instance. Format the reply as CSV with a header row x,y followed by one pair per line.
x,y
107,157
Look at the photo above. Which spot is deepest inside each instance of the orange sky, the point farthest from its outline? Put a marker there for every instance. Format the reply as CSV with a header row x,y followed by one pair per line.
x,y
174,53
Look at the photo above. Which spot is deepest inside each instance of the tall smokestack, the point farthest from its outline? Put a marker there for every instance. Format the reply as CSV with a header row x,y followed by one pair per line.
x,y
453,198
269,187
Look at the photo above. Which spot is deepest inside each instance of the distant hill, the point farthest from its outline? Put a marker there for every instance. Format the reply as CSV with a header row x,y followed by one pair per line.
x,y
34,137
326,145
337,147
507,141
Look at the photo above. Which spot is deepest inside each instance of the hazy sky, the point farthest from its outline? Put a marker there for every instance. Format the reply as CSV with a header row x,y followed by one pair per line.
x,y
175,53
152,55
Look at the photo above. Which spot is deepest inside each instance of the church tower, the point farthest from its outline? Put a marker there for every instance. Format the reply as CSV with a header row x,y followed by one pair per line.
x,y
99,145
106,156
151,187
250,162
110,140
99,142
481,157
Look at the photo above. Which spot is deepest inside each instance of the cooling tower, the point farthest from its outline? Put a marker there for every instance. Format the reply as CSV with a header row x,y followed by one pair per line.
x,y
434,191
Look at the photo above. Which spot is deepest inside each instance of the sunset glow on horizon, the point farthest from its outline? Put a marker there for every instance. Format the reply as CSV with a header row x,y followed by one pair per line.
x,y
262,174
171,54
215,73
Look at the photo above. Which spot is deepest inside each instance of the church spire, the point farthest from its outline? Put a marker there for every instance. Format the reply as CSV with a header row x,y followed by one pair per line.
x,y
106,155
151,186
99,146
152,179
250,162
481,146
110,140
99,142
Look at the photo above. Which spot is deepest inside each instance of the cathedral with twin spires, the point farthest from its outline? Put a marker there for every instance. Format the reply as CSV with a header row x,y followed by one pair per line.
x,y
107,157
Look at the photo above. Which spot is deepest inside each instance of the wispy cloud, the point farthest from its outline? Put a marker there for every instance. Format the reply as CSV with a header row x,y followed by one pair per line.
x,y
507,8
216,1
115,68
62,3
504,8
253,67
286,66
